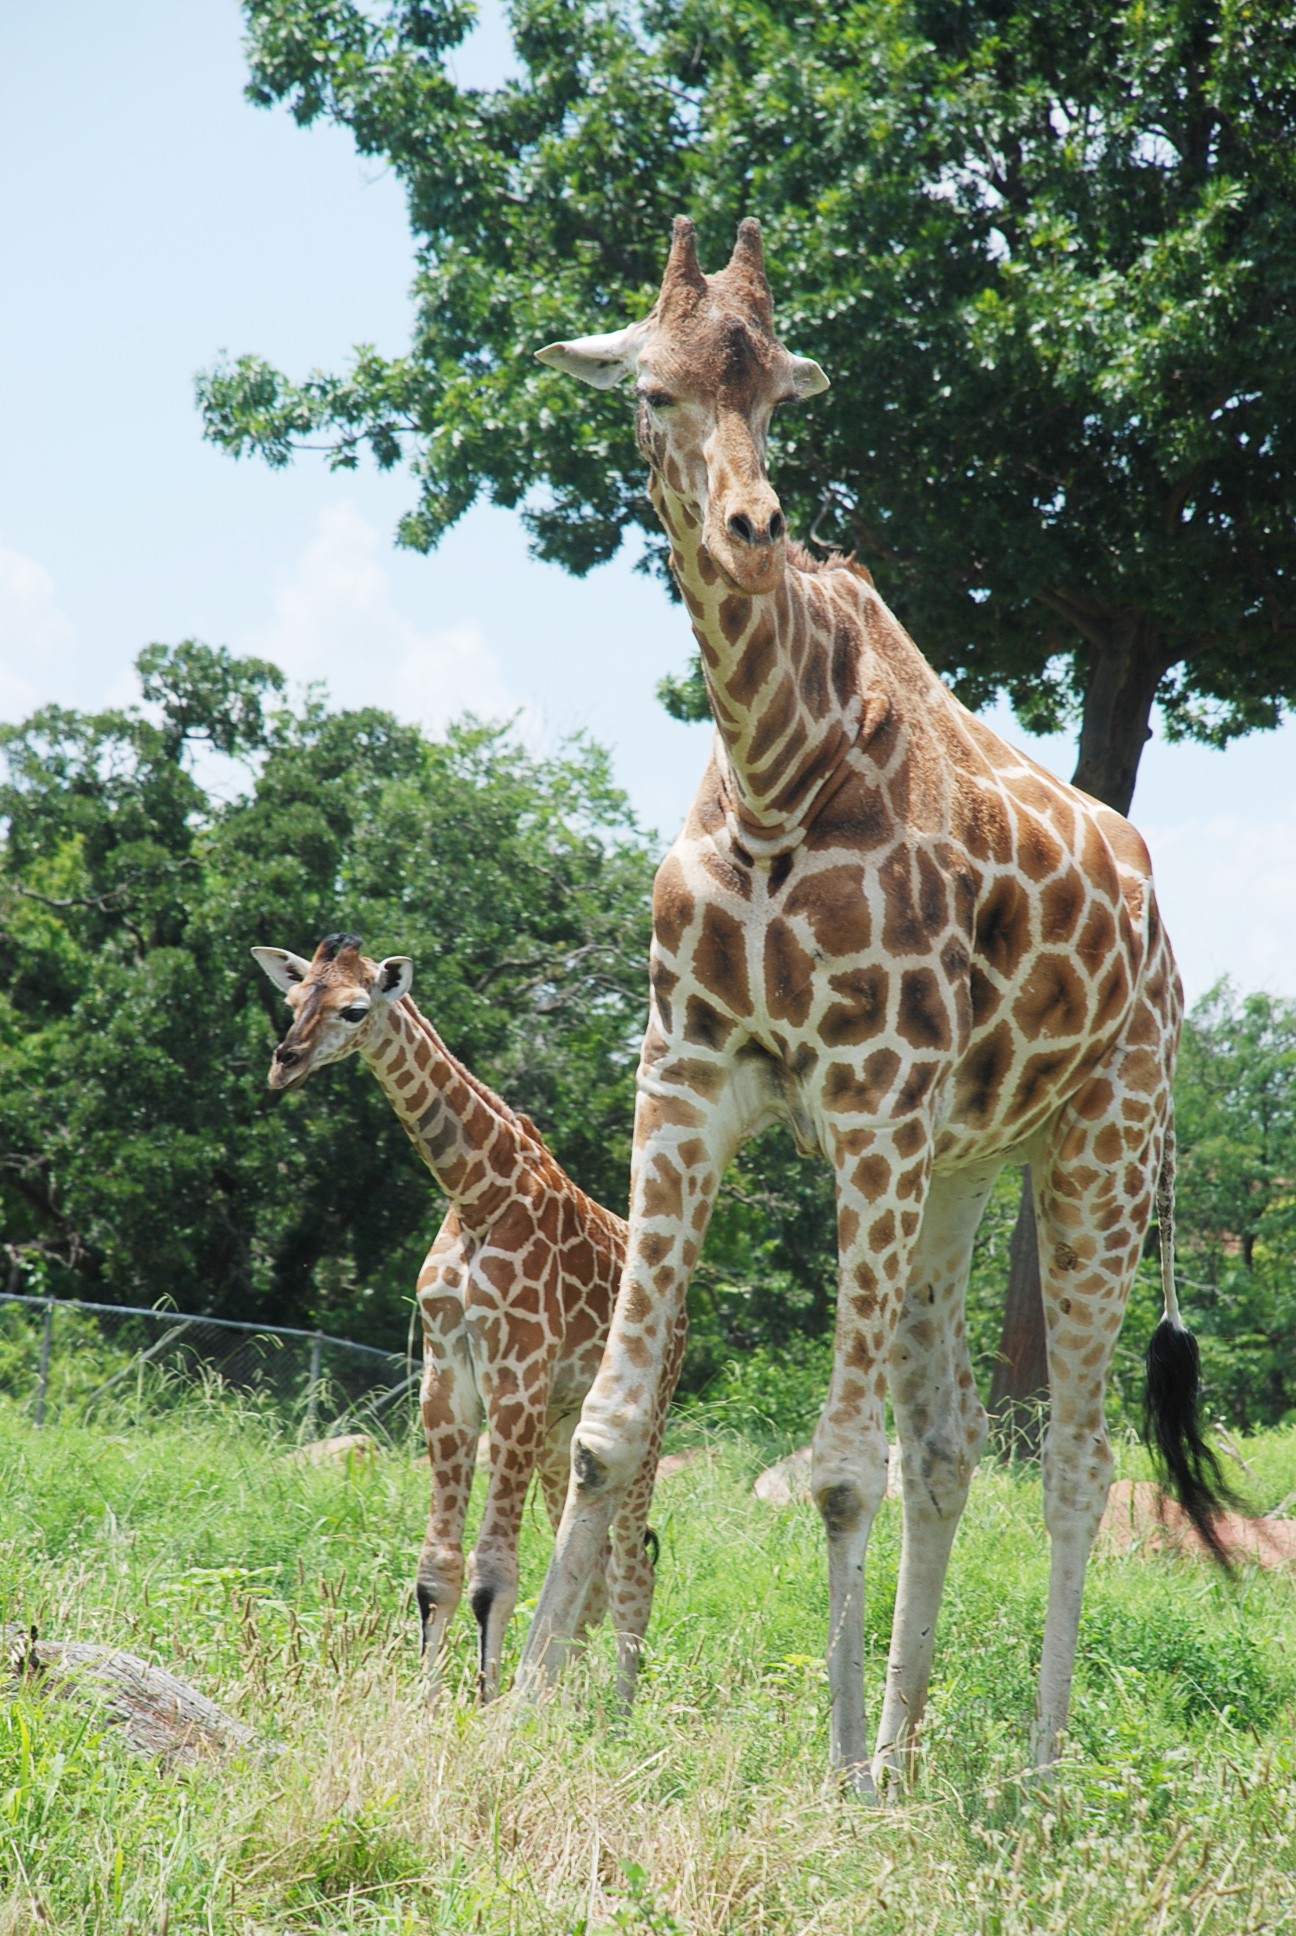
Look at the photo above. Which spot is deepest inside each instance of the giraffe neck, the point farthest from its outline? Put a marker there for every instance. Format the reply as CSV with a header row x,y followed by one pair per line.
x,y
470,1139
784,673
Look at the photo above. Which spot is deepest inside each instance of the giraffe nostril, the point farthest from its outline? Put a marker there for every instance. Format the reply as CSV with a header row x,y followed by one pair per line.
x,y
286,1057
776,527
741,528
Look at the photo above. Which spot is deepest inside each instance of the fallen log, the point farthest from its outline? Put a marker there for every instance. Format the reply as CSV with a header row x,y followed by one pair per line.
x,y
158,1714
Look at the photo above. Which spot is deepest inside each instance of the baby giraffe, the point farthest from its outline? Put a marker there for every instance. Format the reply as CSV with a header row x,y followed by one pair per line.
x,y
516,1295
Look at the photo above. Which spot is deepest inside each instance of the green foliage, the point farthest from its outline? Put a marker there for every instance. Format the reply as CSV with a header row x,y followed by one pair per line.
x,y
139,1160
1236,1116
1046,255
82,1361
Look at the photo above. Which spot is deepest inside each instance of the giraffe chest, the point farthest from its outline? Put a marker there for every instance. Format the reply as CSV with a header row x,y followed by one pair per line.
x,y
903,979
814,958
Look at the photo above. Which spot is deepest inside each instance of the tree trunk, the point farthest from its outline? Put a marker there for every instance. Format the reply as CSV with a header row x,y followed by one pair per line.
x,y
1125,670
1115,724
1019,1388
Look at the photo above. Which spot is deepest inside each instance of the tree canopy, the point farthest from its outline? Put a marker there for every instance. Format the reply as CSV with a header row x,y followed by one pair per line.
x,y
139,1156
1236,1109
1047,255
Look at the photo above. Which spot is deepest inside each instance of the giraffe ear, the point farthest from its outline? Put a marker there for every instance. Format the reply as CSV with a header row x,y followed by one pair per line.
x,y
807,378
600,360
285,971
395,978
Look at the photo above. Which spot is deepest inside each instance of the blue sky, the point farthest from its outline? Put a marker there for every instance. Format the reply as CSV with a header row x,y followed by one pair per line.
x,y
151,219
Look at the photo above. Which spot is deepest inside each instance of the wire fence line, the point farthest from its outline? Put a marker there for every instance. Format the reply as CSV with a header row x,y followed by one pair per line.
x,y
58,1354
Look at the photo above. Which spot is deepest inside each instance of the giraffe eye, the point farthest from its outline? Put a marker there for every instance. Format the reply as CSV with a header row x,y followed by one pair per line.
x,y
354,1014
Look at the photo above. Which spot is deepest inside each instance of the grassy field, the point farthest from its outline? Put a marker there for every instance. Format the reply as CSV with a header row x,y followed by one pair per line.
x,y
283,1591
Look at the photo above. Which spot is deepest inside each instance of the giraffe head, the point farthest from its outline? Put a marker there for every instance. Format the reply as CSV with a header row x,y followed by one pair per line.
x,y
708,372
338,1001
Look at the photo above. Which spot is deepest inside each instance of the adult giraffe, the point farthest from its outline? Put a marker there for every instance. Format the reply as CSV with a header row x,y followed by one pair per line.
x,y
515,1297
884,926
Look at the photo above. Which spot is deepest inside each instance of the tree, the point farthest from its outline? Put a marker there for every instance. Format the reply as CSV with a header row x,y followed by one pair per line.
x,y
138,1157
1236,1101
1047,255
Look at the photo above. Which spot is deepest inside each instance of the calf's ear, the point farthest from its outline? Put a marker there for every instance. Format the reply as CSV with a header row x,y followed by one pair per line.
x,y
286,971
395,977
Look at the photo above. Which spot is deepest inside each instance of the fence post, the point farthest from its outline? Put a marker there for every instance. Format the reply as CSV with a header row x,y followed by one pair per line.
x,y
312,1390
42,1380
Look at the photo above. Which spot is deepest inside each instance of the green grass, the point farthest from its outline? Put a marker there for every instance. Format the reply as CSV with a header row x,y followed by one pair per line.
x,y
283,1591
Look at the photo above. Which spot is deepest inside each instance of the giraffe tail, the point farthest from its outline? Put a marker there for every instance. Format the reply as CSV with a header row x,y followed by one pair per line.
x,y
1185,1463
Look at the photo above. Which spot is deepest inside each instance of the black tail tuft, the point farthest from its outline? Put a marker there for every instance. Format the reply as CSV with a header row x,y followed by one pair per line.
x,y
1172,1428
652,1546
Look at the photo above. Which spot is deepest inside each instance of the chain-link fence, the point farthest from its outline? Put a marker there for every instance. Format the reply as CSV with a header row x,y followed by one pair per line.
x,y
57,1354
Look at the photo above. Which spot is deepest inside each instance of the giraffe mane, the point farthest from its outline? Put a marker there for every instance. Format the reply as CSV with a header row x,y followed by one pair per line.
x,y
513,1117
803,560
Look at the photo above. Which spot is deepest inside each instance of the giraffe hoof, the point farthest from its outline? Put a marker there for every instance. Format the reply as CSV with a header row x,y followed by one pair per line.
x,y
856,1783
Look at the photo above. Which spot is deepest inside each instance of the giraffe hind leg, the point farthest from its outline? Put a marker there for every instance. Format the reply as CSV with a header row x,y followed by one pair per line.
x,y
1094,1186
941,1425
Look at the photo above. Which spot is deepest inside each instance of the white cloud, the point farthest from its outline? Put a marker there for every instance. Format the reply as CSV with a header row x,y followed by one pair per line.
x,y
37,638
1227,887
336,620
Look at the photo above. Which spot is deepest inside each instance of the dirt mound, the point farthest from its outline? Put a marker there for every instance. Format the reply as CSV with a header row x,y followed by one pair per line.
x,y
1139,1518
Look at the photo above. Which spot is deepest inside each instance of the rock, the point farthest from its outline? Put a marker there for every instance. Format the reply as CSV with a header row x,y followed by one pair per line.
x,y
352,1448
677,1462
788,1482
157,1714
1140,1518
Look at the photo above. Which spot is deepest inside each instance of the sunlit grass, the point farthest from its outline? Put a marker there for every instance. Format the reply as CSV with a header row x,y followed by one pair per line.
x,y
283,1591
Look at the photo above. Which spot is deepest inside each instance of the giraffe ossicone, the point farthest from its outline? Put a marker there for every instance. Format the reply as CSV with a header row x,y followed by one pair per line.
x,y
884,926
515,1297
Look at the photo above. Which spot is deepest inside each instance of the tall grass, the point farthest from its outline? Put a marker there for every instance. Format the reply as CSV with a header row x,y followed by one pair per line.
x,y
283,1591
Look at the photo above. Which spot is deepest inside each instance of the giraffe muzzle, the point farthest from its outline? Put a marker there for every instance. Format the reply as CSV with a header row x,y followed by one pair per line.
x,y
287,1068
741,527
750,546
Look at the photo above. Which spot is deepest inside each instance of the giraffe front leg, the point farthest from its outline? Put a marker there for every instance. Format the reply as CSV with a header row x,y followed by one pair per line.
x,y
941,1424
554,1475
882,1174
452,1414
632,1569
1092,1213
683,1142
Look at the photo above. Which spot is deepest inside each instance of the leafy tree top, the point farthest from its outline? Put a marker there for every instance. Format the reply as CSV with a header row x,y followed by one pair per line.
x,y
1048,256
138,1158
